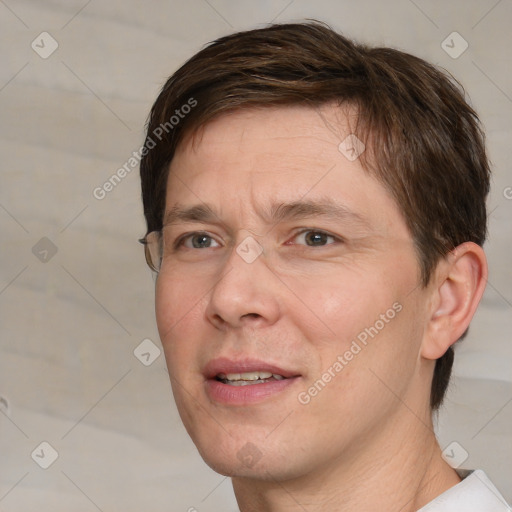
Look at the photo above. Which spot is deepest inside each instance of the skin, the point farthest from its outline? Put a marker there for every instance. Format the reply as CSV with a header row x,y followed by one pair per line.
x,y
365,441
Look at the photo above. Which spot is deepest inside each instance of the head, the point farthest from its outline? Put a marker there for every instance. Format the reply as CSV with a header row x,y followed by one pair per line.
x,y
294,126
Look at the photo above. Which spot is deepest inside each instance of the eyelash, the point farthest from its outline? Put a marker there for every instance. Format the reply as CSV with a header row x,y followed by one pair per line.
x,y
187,236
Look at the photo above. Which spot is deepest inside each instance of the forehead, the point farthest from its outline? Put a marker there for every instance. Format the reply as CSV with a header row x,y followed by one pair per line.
x,y
257,130
259,157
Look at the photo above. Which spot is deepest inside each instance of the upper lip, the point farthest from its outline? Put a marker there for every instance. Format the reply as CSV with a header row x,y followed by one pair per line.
x,y
225,365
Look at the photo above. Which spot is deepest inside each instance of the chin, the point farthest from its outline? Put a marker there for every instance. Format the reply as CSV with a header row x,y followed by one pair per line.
x,y
244,459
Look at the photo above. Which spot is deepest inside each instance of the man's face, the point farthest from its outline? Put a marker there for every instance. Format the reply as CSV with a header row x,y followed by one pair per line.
x,y
332,303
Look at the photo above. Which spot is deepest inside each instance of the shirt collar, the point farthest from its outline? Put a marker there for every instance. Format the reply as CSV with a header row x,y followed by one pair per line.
x,y
474,493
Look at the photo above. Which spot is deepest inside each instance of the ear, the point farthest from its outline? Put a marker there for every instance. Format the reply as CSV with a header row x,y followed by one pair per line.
x,y
457,286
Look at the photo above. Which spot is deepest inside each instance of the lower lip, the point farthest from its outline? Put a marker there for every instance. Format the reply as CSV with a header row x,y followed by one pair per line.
x,y
249,394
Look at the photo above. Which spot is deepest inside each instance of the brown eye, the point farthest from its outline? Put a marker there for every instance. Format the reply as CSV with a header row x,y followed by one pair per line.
x,y
313,238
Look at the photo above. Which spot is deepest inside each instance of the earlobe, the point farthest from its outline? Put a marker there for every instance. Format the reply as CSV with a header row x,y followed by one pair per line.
x,y
459,283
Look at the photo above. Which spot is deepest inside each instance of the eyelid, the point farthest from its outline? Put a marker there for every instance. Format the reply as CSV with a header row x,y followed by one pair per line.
x,y
179,242
316,230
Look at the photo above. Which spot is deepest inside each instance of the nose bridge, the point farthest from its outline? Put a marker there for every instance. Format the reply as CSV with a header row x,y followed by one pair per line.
x,y
248,255
247,286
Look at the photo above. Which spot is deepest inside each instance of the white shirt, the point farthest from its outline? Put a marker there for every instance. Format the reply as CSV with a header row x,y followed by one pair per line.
x,y
475,493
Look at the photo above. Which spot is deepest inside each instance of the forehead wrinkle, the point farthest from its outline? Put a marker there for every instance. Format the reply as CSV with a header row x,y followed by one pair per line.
x,y
203,212
277,212
324,207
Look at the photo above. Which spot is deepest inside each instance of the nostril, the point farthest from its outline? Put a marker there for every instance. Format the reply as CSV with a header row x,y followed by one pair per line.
x,y
251,315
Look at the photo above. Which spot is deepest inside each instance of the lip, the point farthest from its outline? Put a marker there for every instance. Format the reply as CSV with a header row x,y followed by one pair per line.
x,y
244,395
225,365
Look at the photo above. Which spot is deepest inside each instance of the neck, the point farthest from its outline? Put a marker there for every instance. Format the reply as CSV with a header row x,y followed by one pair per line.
x,y
397,469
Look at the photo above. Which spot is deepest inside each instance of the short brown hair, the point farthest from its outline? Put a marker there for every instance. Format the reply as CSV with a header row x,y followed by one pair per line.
x,y
425,142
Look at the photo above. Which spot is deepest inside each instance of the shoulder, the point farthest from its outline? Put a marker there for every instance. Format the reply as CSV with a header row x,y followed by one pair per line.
x,y
474,493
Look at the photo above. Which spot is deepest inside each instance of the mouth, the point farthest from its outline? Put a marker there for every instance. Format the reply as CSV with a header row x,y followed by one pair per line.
x,y
243,382
248,378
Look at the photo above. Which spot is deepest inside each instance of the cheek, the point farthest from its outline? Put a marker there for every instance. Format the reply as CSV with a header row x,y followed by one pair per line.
x,y
359,381
340,305
176,302
366,318
179,310
387,355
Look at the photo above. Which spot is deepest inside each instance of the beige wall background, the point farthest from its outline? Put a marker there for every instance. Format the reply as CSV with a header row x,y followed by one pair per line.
x,y
76,83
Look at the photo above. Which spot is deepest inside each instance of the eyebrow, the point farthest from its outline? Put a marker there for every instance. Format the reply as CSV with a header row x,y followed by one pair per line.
x,y
279,212
321,208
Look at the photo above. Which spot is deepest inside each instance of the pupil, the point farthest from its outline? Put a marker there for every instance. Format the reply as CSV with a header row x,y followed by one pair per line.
x,y
201,241
316,238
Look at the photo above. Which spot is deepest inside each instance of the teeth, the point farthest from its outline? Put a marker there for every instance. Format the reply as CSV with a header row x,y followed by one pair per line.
x,y
242,379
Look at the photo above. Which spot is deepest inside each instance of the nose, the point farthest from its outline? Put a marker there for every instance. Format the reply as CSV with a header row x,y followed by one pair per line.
x,y
247,293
